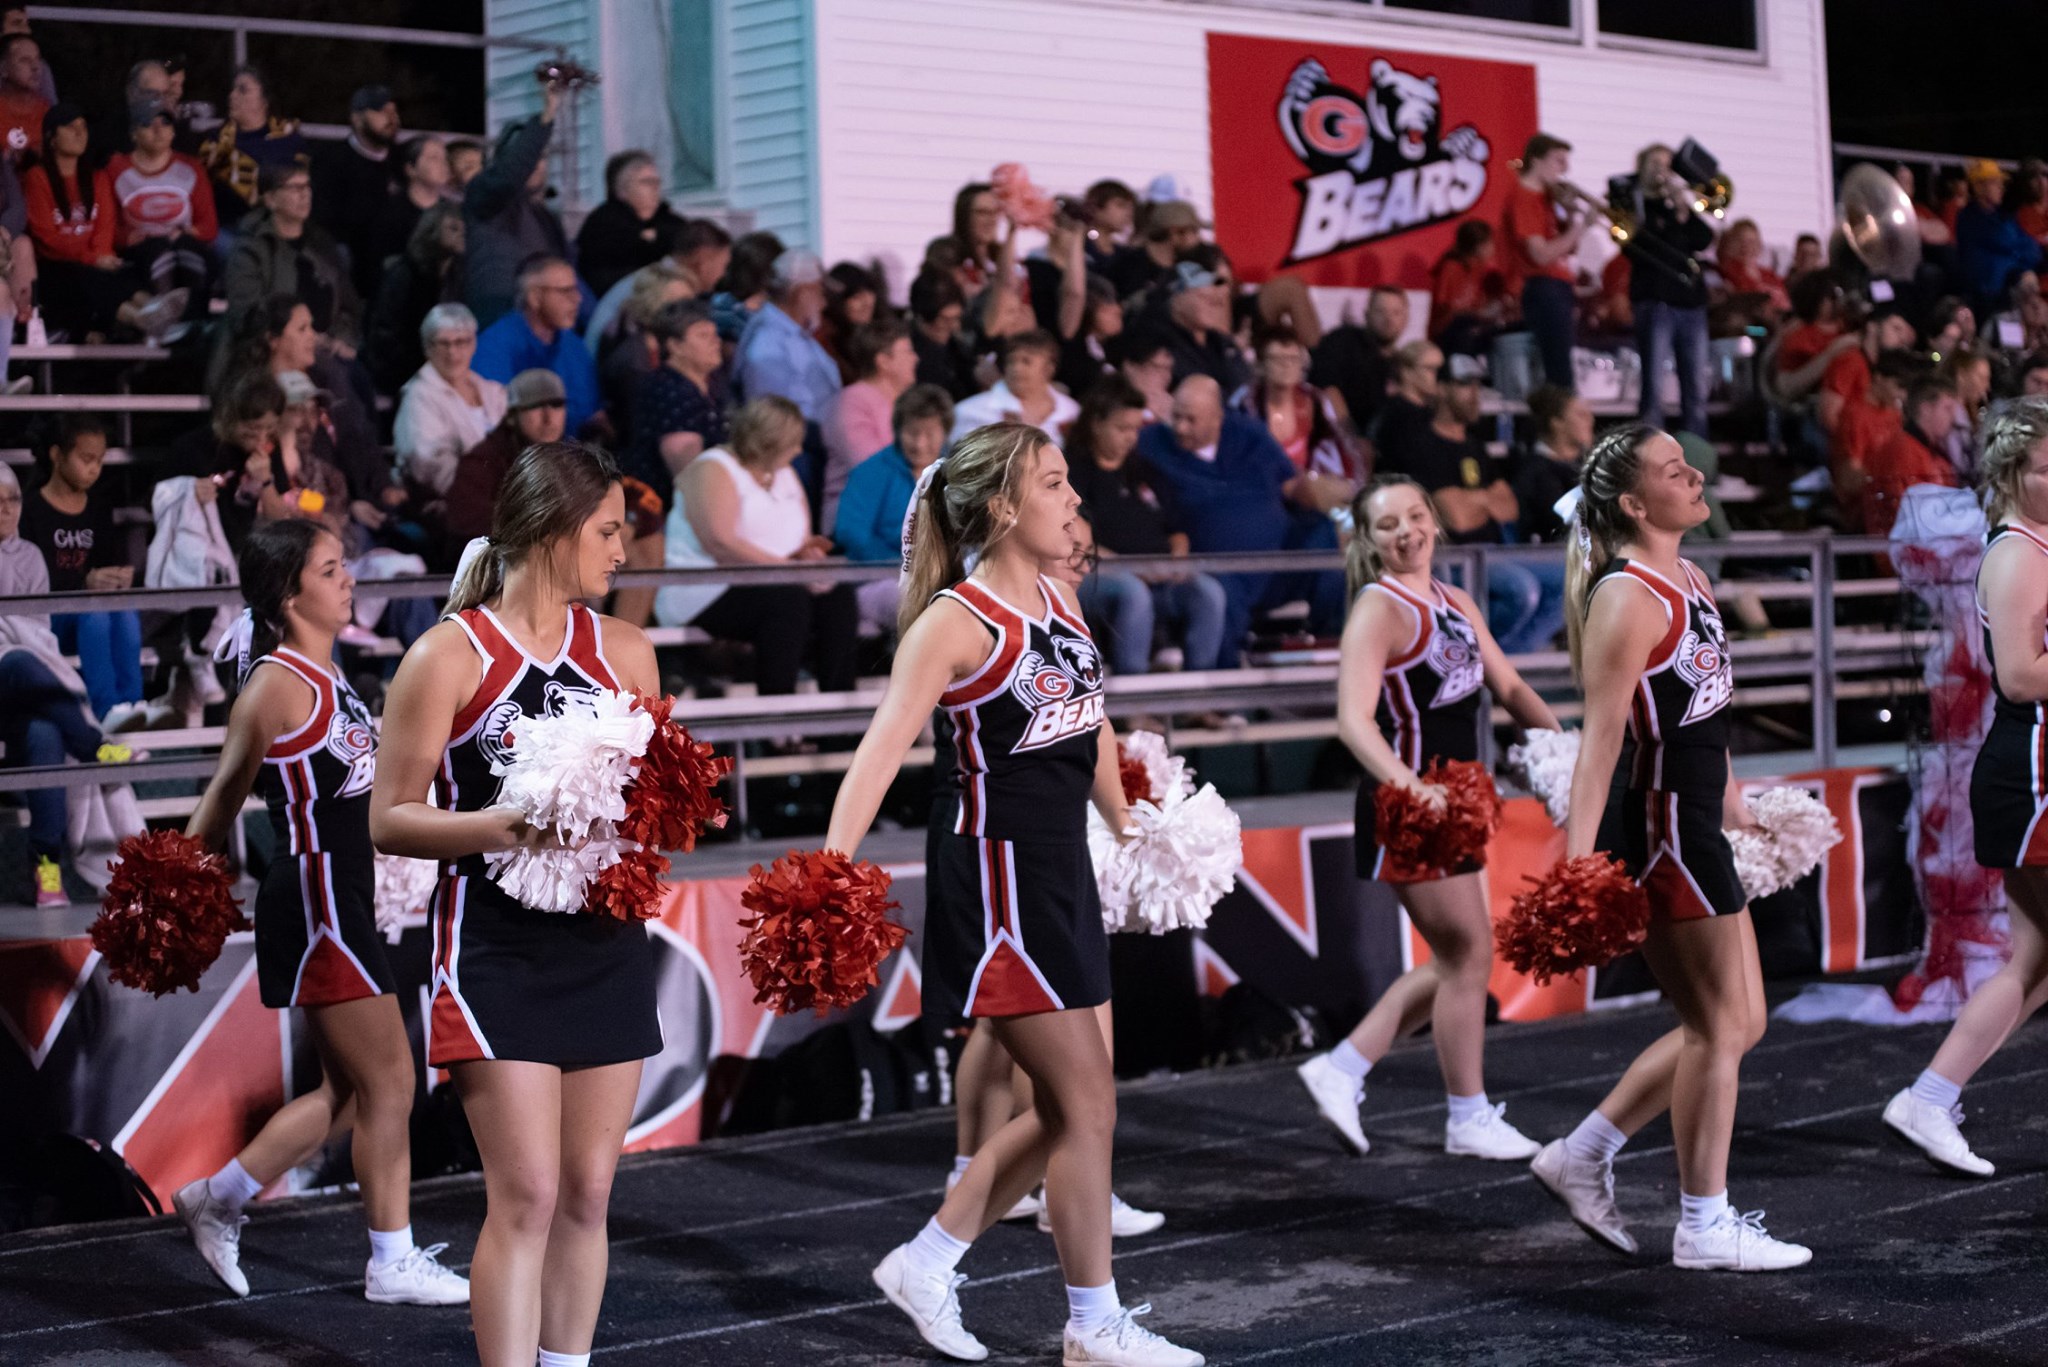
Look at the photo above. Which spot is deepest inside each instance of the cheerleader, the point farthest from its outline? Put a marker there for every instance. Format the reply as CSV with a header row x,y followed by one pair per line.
x,y
299,735
543,1019
1013,933
2008,788
1416,653
1652,658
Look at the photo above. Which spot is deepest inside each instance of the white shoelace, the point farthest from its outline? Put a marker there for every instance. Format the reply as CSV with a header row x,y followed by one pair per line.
x,y
1748,1222
1129,1331
430,1255
949,1308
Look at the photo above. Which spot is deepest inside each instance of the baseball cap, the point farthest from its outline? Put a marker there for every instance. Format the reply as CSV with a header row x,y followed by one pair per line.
x,y
1167,185
299,388
1983,168
533,389
1187,275
142,113
369,97
1171,214
1459,368
61,113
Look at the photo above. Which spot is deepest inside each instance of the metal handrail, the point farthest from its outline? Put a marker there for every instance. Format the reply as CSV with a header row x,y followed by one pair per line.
x,y
241,27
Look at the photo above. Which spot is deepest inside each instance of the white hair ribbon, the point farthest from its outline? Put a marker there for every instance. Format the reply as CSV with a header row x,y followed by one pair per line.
x,y
917,495
478,546
1567,505
237,641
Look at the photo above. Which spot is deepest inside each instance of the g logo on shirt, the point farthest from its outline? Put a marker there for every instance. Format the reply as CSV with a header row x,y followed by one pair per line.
x,y
1702,662
1063,697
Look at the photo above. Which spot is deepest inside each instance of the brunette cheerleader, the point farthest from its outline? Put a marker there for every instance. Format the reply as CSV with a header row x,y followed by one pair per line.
x,y
299,735
1652,657
1014,930
2009,784
543,1019
1416,653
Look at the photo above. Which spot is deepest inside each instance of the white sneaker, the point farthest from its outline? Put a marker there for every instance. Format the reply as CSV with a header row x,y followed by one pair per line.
x,y
1126,1221
1587,1190
1125,1343
1488,1135
415,1279
1934,1131
1735,1243
216,1233
1338,1096
933,1304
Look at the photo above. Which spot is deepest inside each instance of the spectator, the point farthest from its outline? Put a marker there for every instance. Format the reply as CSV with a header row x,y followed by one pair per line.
x,y
1807,259
943,358
1548,468
1198,321
850,297
1467,303
976,236
1867,426
1912,455
508,222
1134,512
22,101
540,334
422,185
1669,304
430,272
679,409
1147,366
634,227
1236,488
1541,237
14,19
1303,419
868,523
2027,199
465,162
354,179
699,250
1970,372
147,85
1357,362
1112,212
1057,278
2033,375
167,225
1848,374
1412,403
72,524
1799,357
744,286
536,410
446,407
281,251
1171,229
1752,293
42,717
1088,356
779,353
1024,393
250,143
630,353
87,288
305,462
1991,248
742,504
860,421
1951,326
230,459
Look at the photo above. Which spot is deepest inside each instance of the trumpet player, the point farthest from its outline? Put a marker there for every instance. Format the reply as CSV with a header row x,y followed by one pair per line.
x,y
1667,289
1539,230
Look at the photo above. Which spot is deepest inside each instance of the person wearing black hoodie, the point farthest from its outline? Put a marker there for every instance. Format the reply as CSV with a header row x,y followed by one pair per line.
x,y
507,220
634,227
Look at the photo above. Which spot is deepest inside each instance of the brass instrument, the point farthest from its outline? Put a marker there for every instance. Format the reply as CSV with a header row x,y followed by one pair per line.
x,y
1712,191
1874,219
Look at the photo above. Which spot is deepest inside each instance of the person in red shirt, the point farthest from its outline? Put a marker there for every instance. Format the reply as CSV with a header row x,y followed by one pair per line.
x,y
84,287
1539,237
1868,425
22,105
166,223
1609,310
1739,258
1912,455
1847,377
1466,296
2026,199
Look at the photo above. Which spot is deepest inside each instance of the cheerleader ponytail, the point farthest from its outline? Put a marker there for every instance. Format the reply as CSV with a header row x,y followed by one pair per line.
x,y
272,559
550,491
1598,524
951,516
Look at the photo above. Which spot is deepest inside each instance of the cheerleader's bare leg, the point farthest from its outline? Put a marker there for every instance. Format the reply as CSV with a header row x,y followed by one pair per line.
x,y
515,1112
1929,1112
597,1107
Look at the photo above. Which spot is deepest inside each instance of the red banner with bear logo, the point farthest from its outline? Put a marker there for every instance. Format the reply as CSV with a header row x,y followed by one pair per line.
x,y
1353,165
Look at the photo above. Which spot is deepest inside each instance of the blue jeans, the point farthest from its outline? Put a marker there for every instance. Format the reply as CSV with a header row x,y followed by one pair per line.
x,y
1664,330
1524,603
1547,310
109,650
41,722
1128,607
1246,595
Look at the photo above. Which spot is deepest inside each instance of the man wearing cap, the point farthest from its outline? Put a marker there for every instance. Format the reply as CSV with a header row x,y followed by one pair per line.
x,y
1847,378
1171,227
352,179
1197,323
541,335
506,221
1991,247
535,411
167,226
22,105
779,351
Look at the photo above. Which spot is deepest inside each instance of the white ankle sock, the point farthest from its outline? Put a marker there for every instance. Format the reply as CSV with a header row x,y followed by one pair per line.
x,y
1349,1061
388,1247
232,1186
1595,1140
1936,1090
961,1162
1091,1307
1464,1108
934,1251
548,1359
1698,1213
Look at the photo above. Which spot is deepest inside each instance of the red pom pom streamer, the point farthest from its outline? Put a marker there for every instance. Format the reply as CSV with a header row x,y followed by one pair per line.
x,y
629,889
1137,782
819,930
167,911
673,796
1586,913
1417,835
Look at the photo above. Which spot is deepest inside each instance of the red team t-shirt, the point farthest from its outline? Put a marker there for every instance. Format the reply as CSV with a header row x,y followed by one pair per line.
x,y
1531,213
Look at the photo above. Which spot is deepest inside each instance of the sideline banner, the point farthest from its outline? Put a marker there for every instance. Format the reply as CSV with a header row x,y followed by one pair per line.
x,y
1351,166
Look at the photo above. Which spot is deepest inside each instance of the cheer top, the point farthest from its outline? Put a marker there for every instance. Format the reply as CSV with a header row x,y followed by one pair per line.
x,y
1025,724
2032,716
1430,694
316,780
1678,719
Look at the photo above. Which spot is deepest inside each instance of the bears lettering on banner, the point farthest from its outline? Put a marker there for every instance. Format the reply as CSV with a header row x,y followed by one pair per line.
x,y
1352,166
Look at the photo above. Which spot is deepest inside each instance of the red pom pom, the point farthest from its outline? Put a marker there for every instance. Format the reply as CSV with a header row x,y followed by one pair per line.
x,y
1137,782
167,911
629,889
819,930
1422,837
1586,913
673,796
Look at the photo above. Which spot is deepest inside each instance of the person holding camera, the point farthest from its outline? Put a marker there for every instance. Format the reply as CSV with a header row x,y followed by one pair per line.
x,y
1669,300
505,212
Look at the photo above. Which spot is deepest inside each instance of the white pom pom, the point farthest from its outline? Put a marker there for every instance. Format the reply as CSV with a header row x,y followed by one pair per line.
x,y
1545,760
570,770
405,888
1796,829
1182,860
557,878
1165,773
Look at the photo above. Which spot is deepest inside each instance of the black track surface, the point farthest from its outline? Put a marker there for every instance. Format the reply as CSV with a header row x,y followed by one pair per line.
x,y
1279,1246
